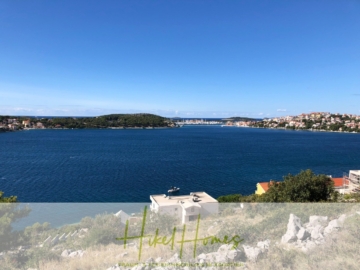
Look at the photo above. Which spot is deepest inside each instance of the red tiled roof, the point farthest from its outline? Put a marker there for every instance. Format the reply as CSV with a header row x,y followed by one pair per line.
x,y
264,185
338,182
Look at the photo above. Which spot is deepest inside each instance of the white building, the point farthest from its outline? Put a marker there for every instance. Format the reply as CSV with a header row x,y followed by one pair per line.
x,y
354,176
185,207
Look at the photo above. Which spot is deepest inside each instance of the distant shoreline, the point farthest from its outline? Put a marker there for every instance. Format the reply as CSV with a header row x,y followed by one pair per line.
x,y
289,129
189,125
87,128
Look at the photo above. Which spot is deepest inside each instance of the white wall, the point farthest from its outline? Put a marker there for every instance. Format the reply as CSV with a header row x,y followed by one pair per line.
x,y
209,208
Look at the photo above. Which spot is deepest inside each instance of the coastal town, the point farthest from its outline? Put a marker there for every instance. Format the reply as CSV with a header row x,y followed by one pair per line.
x,y
13,123
315,121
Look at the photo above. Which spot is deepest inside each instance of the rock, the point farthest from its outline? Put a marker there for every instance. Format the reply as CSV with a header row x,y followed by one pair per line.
x,y
234,255
138,267
252,253
78,253
229,252
264,245
174,259
158,259
210,257
288,238
150,260
316,232
336,223
221,258
66,253
333,225
115,267
316,220
294,225
224,249
302,234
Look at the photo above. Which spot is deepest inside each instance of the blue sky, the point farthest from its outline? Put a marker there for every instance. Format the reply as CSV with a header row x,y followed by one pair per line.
x,y
179,58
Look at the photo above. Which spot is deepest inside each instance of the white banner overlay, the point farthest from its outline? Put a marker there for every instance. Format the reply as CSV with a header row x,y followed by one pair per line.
x,y
182,236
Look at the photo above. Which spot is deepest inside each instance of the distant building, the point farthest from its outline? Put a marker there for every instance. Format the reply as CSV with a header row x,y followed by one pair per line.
x,y
354,176
13,126
340,184
39,125
261,188
124,217
26,123
185,207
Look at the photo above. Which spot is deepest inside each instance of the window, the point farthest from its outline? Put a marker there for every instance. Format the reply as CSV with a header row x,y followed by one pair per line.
x,y
192,218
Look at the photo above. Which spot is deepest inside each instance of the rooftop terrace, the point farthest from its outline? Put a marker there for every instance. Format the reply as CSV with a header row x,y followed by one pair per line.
x,y
162,199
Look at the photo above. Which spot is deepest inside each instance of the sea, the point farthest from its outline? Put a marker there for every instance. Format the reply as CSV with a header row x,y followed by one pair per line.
x,y
105,165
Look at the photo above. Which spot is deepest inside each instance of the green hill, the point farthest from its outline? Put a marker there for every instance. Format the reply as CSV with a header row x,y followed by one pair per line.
x,y
108,121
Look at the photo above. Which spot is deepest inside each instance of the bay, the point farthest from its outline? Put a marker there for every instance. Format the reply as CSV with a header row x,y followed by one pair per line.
x,y
129,165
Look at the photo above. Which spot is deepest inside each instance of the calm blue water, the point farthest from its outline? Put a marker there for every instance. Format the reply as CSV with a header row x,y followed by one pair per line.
x,y
129,165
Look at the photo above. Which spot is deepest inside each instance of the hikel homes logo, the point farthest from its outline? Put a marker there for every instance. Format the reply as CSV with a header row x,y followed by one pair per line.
x,y
157,239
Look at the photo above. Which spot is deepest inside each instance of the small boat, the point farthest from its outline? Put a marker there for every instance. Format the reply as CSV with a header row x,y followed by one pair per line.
x,y
173,189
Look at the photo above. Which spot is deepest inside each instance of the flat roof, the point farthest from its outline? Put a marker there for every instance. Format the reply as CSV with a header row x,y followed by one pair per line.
x,y
203,197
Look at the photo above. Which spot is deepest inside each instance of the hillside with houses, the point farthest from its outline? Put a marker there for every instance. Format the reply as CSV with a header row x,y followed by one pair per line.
x,y
318,121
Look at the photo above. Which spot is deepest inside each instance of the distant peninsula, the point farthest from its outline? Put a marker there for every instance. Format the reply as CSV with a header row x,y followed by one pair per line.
x,y
115,121
239,118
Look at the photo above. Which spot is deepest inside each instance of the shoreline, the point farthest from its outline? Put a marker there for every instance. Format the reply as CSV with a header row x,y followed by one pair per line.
x,y
309,130
289,129
141,128
114,128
